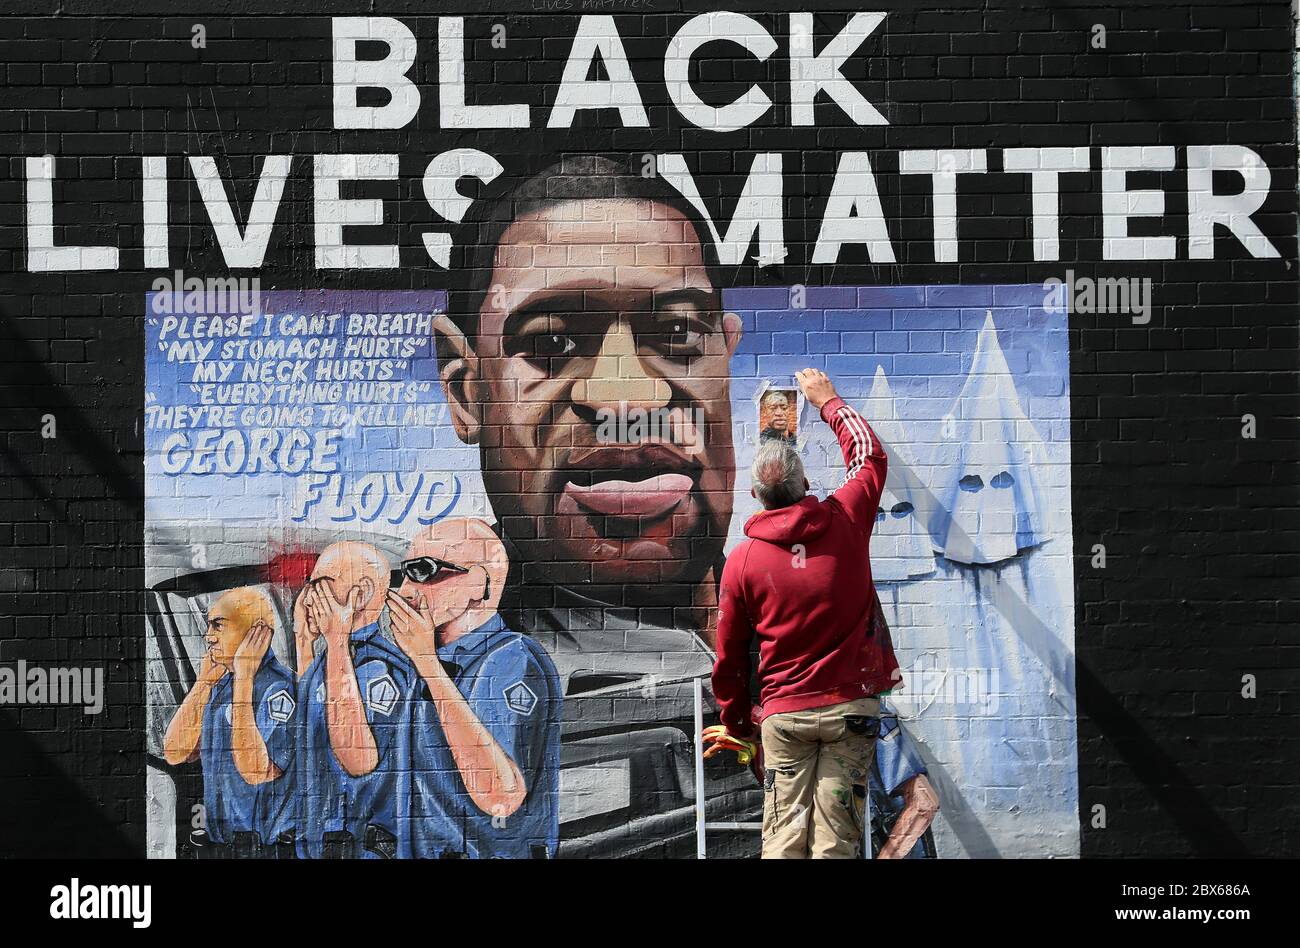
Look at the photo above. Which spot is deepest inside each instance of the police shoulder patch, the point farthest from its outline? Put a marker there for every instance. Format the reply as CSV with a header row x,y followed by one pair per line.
x,y
381,695
520,698
280,706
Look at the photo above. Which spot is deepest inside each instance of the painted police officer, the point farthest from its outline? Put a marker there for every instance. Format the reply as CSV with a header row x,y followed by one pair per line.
x,y
485,755
237,721
355,696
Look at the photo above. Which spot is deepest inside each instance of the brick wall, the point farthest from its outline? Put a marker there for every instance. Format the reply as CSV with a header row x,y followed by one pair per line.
x,y
1193,502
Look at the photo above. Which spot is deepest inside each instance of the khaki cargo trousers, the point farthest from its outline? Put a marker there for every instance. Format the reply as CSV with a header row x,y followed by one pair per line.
x,y
815,787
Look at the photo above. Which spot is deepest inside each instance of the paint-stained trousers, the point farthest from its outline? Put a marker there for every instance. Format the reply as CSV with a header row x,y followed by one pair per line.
x,y
815,787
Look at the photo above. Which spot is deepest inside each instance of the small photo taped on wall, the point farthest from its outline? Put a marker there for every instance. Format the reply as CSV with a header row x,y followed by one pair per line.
x,y
779,408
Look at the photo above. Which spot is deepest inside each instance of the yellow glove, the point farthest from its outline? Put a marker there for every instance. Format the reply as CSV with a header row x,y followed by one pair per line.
x,y
719,740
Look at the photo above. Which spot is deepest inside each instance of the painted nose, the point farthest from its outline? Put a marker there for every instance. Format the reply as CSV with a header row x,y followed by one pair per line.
x,y
617,376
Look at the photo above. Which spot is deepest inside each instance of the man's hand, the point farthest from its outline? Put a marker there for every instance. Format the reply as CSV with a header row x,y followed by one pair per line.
x,y
719,740
210,670
333,619
816,385
248,659
413,628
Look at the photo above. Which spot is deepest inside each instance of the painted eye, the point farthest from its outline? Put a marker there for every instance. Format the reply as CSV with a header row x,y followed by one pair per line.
x,y
971,482
1003,480
880,515
673,335
551,345
557,345
681,338
901,510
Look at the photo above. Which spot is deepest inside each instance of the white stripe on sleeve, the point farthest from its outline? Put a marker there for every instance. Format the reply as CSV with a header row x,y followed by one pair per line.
x,y
863,445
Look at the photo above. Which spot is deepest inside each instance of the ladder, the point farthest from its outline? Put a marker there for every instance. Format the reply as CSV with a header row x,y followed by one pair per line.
x,y
702,824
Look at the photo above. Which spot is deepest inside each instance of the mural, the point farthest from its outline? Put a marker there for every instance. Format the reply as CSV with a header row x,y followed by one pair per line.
x,y
432,574
968,387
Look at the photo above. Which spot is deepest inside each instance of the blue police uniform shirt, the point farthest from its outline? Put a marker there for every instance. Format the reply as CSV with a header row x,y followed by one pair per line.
x,y
330,799
897,761
232,804
512,687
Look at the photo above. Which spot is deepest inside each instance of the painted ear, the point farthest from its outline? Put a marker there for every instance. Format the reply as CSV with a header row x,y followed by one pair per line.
x,y
732,330
487,583
458,371
362,593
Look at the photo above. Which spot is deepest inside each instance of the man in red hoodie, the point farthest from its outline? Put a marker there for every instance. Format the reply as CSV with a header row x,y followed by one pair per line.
x,y
801,582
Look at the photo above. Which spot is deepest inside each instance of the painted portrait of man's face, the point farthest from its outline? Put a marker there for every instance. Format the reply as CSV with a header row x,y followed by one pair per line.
x,y
776,413
598,308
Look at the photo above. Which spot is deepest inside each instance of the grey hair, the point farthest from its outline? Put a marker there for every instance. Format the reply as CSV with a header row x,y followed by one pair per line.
x,y
778,475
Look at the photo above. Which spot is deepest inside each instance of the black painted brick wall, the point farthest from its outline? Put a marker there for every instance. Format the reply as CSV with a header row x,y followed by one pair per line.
x,y
1199,524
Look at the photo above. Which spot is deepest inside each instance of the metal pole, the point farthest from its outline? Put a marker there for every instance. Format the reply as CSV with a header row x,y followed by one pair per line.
x,y
866,820
699,769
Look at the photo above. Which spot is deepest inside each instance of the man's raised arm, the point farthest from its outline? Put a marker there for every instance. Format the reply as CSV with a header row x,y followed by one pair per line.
x,y
864,455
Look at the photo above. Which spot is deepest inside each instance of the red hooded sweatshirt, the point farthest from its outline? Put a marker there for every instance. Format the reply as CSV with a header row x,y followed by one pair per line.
x,y
802,583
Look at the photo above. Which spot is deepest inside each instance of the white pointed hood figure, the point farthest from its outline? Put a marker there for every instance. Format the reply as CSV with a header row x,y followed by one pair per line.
x,y
900,542
992,495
